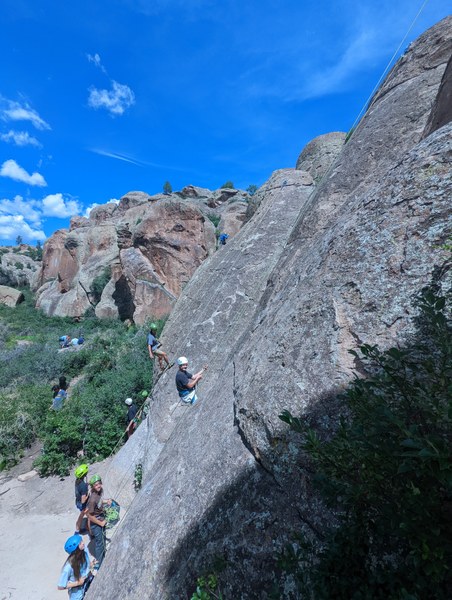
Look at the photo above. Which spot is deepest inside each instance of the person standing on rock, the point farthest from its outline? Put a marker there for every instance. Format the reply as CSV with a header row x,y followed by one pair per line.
x,y
81,494
76,570
96,516
153,347
186,382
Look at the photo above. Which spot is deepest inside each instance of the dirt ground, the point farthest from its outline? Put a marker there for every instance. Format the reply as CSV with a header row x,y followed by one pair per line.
x,y
36,518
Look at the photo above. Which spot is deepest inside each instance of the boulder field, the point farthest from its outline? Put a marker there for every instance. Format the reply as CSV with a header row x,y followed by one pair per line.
x,y
316,271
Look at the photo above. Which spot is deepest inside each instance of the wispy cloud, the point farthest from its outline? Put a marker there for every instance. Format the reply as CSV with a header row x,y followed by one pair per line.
x,y
117,156
19,138
55,205
15,111
95,59
116,100
14,171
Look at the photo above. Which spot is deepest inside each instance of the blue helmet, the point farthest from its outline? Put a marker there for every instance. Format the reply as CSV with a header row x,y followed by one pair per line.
x,y
72,543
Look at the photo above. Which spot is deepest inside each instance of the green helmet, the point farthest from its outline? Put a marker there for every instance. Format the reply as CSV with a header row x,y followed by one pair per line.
x,y
144,394
94,479
153,326
81,471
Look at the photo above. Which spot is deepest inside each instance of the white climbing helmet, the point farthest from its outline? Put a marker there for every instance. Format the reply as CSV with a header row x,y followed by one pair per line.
x,y
182,361
128,401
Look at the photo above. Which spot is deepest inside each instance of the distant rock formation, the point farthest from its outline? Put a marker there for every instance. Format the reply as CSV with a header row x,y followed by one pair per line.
x,y
274,313
17,268
142,252
10,296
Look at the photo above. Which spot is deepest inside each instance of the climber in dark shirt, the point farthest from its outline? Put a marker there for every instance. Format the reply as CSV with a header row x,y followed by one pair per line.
x,y
186,382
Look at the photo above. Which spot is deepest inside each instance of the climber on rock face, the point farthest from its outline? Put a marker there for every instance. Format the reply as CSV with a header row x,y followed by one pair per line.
x,y
153,347
186,382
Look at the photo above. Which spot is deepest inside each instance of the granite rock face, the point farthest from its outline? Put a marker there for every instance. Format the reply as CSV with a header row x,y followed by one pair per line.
x,y
18,270
317,157
313,273
145,247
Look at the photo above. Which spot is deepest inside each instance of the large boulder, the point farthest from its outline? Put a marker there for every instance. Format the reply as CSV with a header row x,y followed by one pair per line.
x,y
9,296
19,270
274,313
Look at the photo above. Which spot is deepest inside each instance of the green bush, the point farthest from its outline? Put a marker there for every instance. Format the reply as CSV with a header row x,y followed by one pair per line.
x,y
228,185
387,473
18,265
215,219
98,284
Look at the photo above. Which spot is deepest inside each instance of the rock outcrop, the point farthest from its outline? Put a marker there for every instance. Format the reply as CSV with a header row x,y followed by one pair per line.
x,y
18,269
143,251
274,313
317,157
10,297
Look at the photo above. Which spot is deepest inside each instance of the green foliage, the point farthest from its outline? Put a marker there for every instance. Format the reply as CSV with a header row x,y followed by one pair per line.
x,y
167,188
387,473
215,219
18,265
252,189
19,240
207,588
98,284
113,362
227,185
138,477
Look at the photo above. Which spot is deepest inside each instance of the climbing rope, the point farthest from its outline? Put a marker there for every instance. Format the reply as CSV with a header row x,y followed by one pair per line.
x,y
386,69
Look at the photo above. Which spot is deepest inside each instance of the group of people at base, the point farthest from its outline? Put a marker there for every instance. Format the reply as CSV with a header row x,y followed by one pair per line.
x,y
80,567
66,341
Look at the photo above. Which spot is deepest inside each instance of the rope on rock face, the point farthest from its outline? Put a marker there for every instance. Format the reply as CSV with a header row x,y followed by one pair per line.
x,y
388,65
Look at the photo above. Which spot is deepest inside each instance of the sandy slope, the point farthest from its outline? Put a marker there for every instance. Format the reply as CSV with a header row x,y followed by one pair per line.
x,y
36,517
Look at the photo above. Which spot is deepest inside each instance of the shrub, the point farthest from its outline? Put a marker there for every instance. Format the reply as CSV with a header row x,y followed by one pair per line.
x,y
167,188
18,265
228,184
98,284
252,189
215,219
387,471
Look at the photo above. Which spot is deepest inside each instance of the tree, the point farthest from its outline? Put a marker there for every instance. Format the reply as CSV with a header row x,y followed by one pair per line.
x,y
167,188
228,184
252,189
38,250
18,240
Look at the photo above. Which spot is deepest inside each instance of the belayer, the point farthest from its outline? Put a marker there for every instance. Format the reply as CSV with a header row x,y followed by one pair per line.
x,y
186,382
75,575
96,515
153,347
81,495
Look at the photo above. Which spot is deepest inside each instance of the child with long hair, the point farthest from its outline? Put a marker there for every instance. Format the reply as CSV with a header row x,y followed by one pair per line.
x,y
76,569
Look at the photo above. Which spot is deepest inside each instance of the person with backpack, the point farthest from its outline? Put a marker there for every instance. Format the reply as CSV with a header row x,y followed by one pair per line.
x,y
81,495
75,575
186,382
96,515
153,347
131,414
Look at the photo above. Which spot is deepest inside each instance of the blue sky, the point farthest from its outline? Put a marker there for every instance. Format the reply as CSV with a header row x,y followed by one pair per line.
x,y
101,97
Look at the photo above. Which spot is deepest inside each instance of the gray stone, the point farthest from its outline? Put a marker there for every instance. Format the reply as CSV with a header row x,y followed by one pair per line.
x,y
10,296
317,157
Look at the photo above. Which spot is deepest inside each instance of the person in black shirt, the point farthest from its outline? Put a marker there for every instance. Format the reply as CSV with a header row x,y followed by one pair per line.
x,y
186,382
81,494
131,414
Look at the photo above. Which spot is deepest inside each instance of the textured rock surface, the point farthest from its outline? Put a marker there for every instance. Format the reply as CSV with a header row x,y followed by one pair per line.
x,y
18,270
151,244
318,156
10,296
274,318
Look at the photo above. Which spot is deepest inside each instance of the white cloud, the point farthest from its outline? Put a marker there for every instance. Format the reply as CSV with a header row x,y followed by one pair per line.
x,y
20,138
12,226
95,58
14,111
29,209
14,171
116,100
54,205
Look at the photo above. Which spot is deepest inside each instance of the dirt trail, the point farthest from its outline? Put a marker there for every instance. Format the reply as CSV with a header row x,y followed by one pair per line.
x,y
36,518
